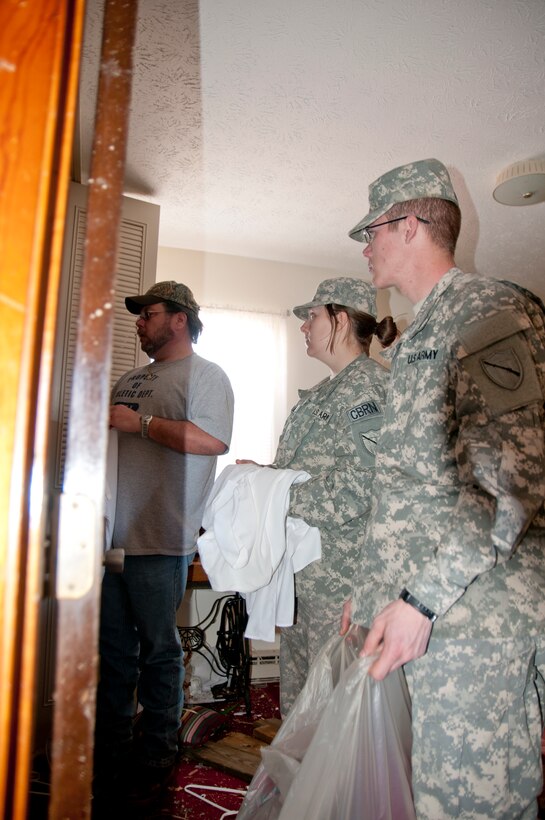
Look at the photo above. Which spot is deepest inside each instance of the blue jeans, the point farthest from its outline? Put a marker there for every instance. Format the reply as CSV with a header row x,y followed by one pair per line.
x,y
140,652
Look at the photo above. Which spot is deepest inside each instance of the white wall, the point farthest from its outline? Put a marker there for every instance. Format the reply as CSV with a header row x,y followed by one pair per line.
x,y
220,280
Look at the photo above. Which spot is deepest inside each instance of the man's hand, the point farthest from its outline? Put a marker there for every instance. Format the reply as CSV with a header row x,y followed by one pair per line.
x,y
400,633
124,419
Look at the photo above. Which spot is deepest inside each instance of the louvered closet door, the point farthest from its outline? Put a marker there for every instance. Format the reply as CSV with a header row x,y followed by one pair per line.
x,y
136,272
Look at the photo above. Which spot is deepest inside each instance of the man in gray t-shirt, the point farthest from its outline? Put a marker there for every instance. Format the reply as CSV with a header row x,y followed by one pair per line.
x,y
174,417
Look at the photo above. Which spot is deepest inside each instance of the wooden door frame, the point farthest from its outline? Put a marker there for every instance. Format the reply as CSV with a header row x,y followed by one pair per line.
x,y
80,541
40,42
40,51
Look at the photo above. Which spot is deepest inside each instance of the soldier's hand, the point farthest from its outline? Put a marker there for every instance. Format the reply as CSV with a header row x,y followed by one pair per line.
x,y
346,617
400,633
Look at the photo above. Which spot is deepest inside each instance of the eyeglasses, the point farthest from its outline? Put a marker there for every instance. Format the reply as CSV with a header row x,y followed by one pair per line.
x,y
368,237
147,314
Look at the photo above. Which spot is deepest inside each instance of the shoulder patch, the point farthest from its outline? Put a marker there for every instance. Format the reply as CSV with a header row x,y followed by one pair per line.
x,y
504,368
365,421
364,410
367,439
496,355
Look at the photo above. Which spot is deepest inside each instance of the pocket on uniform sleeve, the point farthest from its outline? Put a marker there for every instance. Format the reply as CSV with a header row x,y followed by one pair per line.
x,y
497,357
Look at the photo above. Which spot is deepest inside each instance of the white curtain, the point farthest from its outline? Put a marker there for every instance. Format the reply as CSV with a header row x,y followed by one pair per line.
x,y
251,348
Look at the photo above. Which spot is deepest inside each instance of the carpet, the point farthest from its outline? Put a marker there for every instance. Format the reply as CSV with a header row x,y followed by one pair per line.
x,y
177,803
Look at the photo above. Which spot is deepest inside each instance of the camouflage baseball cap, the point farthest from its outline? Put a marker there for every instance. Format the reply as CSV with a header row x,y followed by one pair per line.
x,y
354,293
163,292
417,180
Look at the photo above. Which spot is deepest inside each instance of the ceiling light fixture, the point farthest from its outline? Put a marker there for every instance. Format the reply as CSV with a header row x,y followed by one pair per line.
x,y
522,183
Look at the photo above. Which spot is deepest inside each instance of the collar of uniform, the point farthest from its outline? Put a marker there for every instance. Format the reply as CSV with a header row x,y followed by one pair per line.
x,y
303,392
426,308
429,303
331,381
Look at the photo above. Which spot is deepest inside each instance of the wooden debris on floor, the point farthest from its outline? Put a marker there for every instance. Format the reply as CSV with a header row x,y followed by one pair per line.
x,y
266,729
236,753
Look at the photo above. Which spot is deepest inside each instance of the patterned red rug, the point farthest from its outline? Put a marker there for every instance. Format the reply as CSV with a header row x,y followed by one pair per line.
x,y
178,803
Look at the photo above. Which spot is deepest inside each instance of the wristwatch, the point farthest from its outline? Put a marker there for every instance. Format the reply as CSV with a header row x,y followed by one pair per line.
x,y
144,425
406,596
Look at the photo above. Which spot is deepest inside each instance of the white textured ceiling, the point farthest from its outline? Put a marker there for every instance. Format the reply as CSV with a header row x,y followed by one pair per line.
x,y
258,126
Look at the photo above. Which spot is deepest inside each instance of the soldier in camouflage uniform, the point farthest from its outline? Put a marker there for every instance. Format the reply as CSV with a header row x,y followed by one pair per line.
x,y
454,574
331,433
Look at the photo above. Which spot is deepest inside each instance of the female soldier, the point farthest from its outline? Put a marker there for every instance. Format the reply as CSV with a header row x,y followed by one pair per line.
x,y
331,433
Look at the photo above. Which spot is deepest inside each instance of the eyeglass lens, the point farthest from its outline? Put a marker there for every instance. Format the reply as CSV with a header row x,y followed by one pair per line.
x,y
147,314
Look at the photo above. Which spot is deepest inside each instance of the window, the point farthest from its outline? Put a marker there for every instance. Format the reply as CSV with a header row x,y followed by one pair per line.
x,y
251,348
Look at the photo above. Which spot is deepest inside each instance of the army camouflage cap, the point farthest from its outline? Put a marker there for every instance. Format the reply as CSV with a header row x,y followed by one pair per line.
x,y
353,293
163,292
417,180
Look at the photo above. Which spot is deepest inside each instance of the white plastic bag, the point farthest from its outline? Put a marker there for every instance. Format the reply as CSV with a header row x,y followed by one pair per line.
x,y
343,752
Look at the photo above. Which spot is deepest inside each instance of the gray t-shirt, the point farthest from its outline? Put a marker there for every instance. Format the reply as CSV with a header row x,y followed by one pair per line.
x,y
161,493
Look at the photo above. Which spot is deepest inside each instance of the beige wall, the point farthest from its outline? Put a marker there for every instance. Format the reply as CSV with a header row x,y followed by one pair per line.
x,y
220,280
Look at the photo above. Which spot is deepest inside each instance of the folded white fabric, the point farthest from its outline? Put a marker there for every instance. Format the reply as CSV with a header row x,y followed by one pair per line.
x,y
253,547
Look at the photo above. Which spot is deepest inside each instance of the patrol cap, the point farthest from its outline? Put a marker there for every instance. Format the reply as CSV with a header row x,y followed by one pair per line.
x,y
353,293
417,180
163,292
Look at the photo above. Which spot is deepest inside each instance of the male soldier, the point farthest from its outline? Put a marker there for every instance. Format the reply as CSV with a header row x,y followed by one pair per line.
x,y
174,417
453,578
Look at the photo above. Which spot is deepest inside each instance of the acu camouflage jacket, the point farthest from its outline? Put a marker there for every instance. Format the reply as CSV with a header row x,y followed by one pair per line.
x,y
458,515
331,433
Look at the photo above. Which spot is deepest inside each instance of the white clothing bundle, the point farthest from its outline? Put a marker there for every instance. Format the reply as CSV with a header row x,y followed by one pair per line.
x,y
253,547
